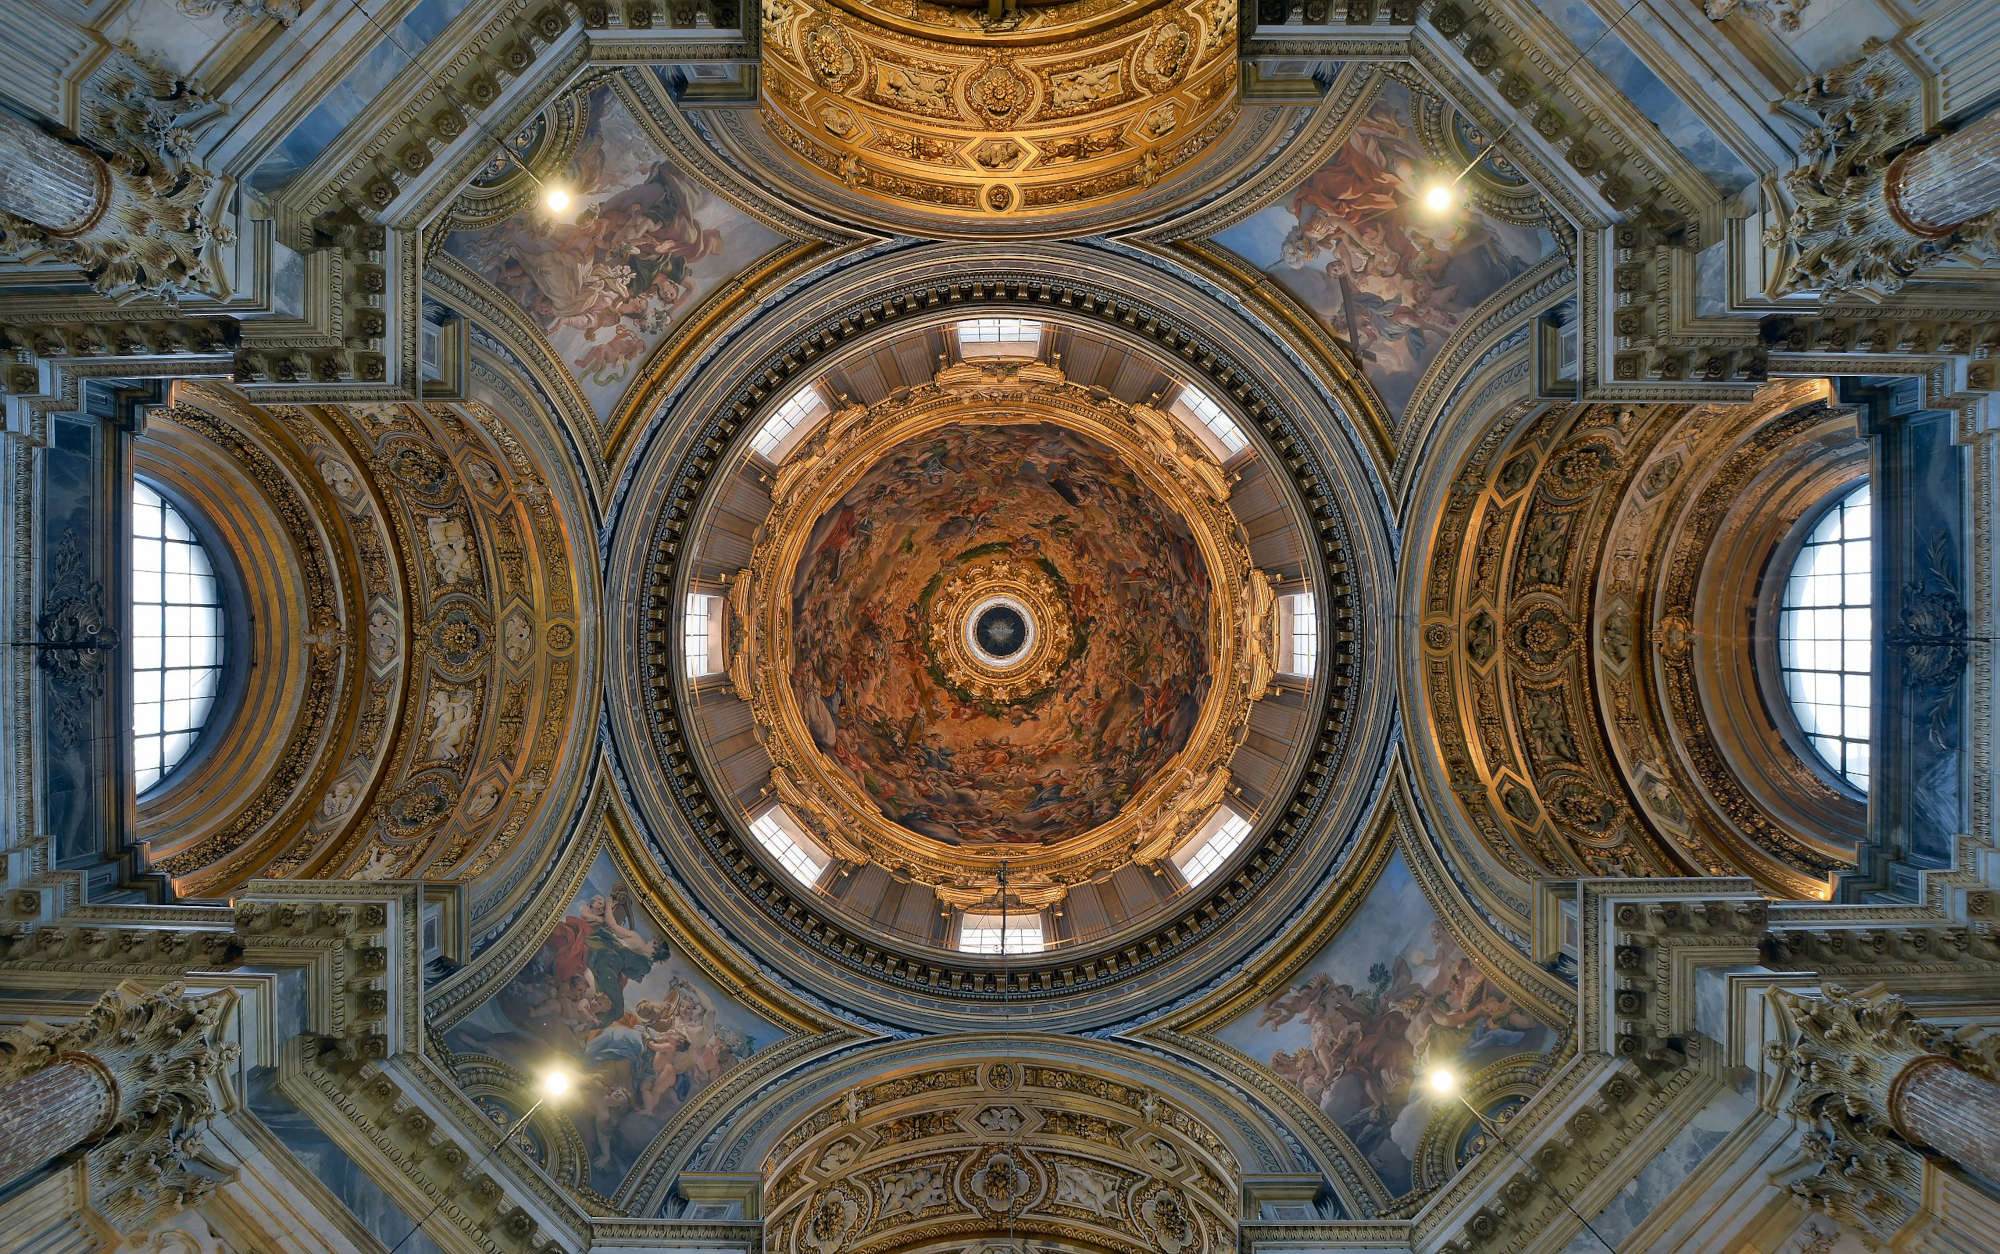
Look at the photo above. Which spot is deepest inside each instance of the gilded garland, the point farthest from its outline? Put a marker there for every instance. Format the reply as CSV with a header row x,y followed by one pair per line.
x,y
1001,619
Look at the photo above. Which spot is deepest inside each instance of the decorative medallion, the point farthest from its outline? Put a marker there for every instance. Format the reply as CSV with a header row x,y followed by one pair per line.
x,y
998,627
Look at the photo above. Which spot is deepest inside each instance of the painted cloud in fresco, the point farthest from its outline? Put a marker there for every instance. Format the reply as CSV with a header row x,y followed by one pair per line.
x,y
643,1030
940,761
1353,245
1386,999
646,244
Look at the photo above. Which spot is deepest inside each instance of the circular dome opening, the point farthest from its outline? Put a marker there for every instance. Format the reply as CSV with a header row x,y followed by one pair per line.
x,y
1000,631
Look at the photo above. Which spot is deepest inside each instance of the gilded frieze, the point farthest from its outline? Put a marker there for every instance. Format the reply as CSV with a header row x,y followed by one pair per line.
x,y
1048,108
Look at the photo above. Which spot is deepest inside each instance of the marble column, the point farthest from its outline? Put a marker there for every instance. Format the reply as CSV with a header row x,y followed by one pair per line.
x,y
127,204
1935,1104
128,1087
1937,187
59,187
49,1112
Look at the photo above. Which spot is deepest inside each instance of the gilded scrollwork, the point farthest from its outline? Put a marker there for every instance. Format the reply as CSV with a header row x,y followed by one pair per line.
x,y
1093,1163
1062,105
1573,720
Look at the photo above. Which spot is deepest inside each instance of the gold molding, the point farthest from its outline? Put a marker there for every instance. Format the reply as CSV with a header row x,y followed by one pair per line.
x,y
1050,108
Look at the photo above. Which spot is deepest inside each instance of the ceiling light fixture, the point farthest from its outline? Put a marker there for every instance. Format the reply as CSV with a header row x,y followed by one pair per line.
x,y
556,197
1442,195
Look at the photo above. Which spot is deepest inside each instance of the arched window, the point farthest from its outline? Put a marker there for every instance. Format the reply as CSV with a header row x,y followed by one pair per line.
x,y
177,636
1825,630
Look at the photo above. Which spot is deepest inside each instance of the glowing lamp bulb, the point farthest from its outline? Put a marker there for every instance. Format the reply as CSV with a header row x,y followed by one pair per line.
x,y
1439,197
557,199
1443,1081
555,1083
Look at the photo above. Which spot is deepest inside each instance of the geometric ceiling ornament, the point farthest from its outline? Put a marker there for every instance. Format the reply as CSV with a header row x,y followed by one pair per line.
x,y
1043,110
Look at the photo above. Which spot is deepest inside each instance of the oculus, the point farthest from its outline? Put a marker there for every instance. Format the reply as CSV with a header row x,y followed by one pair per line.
x,y
999,631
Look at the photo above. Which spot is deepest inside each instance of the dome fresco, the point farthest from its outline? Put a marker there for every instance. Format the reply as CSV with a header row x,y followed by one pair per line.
x,y
999,626
881,696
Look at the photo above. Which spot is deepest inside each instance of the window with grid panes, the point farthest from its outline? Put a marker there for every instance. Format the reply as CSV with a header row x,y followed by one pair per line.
x,y
1825,635
177,636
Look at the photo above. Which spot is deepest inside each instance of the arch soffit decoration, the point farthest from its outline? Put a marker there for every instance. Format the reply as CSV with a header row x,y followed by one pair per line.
x,y
1255,1134
251,485
886,290
461,643
911,1159
1533,467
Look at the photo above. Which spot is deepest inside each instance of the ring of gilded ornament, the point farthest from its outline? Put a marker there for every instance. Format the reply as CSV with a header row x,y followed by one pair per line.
x,y
826,800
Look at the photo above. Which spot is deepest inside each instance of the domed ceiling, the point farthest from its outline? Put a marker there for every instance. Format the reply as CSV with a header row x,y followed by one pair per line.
x,y
1086,601
997,621
930,634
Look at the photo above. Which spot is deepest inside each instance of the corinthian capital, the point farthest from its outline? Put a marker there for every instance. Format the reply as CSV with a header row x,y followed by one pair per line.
x,y
1842,233
158,1054
128,204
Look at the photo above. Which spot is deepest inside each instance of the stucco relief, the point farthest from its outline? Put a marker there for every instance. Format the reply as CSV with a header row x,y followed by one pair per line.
x,y
1084,1161
1563,649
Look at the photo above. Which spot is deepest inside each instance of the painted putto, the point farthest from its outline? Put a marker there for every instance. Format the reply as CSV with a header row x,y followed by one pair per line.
x,y
642,245
643,1030
1118,571
1373,1011
1356,246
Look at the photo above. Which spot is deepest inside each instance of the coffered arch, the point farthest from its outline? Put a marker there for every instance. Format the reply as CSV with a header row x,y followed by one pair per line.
x,y
1586,646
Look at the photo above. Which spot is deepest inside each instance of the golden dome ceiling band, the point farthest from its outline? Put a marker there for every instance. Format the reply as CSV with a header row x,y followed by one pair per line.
x,y
1054,108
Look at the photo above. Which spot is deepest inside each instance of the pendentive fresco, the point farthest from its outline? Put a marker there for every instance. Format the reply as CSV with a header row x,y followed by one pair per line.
x,y
1085,626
